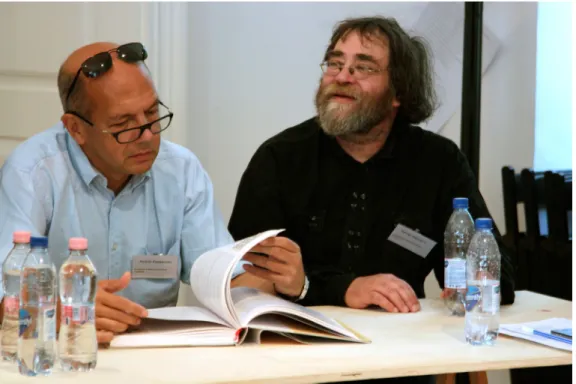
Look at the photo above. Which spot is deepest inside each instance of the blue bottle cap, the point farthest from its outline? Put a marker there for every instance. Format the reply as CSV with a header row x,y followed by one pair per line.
x,y
483,223
38,241
460,203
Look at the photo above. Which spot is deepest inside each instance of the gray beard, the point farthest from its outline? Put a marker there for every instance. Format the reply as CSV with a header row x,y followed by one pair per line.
x,y
352,122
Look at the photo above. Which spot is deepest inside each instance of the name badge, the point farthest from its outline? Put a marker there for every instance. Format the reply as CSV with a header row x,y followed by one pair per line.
x,y
411,240
155,267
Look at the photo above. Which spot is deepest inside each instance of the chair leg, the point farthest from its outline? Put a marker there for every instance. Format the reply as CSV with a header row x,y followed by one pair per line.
x,y
478,377
447,378
475,378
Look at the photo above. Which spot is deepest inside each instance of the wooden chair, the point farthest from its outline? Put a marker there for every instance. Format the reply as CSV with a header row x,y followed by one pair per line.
x,y
473,377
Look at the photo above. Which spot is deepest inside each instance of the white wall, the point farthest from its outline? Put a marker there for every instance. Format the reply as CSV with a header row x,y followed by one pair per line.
x,y
554,87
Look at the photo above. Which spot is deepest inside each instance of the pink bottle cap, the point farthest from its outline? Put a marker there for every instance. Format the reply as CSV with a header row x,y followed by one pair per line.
x,y
78,243
22,237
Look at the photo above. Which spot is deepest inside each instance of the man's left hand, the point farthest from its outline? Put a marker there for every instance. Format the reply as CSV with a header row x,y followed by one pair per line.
x,y
278,260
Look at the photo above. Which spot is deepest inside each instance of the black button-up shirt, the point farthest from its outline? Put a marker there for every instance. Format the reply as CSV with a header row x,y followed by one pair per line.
x,y
341,212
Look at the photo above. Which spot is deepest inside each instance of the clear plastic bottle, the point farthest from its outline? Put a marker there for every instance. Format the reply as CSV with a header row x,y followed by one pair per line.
x,y
457,236
483,286
11,269
78,345
37,315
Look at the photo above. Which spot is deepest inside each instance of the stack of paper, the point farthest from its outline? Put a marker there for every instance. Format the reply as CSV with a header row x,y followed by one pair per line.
x,y
540,332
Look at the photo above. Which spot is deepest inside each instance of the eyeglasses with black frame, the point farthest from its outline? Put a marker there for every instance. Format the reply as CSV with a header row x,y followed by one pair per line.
x,y
125,136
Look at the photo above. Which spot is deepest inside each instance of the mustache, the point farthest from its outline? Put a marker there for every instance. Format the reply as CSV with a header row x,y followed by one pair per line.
x,y
338,90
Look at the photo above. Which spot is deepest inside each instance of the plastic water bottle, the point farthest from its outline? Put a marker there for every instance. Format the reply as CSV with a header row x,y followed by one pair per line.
x,y
77,341
37,334
457,236
483,286
11,269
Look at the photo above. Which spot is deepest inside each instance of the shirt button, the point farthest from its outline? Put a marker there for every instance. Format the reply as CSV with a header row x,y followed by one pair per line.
x,y
114,246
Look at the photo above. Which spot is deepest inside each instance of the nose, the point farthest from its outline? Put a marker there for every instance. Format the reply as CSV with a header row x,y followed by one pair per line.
x,y
147,135
344,76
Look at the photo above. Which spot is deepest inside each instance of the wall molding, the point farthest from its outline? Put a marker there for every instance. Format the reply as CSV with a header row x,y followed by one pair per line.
x,y
165,34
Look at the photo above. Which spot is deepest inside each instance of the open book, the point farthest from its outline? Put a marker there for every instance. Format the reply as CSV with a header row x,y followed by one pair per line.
x,y
231,316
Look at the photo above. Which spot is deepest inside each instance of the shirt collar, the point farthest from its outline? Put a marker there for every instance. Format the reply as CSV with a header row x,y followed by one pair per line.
x,y
80,162
87,172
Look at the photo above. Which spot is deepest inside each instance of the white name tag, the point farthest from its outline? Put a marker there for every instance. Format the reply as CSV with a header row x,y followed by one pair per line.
x,y
411,240
155,267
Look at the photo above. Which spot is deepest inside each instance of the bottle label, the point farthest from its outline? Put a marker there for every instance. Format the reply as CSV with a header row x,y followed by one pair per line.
x,y
491,298
77,314
50,324
24,321
473,296
455,273
11,306
487,296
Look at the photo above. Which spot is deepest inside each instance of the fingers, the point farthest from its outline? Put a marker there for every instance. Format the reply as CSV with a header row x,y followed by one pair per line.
x,y
106,299
268,263
399,292
262,273
383,302
115,285
104,337
281,242
408,295
110,325
117,315
394,296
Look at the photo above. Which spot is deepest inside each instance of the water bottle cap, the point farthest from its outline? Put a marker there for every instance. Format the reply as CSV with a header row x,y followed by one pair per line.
x,y
483,223
78,243
39,241
22,237
460,203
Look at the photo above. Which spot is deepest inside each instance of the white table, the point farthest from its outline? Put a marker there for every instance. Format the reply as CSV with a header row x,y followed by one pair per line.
x,y
428,342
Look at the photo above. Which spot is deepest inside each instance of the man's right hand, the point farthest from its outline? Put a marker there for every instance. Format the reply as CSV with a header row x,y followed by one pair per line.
x,y
114,314
385,290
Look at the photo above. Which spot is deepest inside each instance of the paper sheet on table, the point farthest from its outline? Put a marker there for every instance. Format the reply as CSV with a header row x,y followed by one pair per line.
x,y
442,26
519,331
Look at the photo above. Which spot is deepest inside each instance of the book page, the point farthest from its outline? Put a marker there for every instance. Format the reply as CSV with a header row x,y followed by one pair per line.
x,y
540,332
211,273
172,333
176,314
251,303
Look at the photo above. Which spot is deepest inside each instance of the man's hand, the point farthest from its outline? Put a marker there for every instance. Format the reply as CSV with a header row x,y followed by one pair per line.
x,y
278,259
384,290
114,314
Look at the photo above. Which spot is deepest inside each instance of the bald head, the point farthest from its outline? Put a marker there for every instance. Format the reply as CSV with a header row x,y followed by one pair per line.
x,y
78,100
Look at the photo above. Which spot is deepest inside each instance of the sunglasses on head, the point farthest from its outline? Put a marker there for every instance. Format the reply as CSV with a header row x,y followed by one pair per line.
x,y
101,63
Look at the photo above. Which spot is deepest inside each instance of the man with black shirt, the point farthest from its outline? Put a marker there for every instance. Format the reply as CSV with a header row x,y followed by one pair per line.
x,y
342,182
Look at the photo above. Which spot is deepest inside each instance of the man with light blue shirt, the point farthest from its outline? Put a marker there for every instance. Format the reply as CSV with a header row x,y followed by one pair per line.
x,y
105,174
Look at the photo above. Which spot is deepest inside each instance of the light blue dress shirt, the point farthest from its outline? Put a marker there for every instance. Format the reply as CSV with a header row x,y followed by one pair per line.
x,y
48,187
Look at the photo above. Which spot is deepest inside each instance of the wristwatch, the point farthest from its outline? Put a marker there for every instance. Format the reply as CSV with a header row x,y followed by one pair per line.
x,y
302,294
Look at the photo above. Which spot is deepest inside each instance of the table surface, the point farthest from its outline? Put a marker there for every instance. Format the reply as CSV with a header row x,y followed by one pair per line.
x,y
427,342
